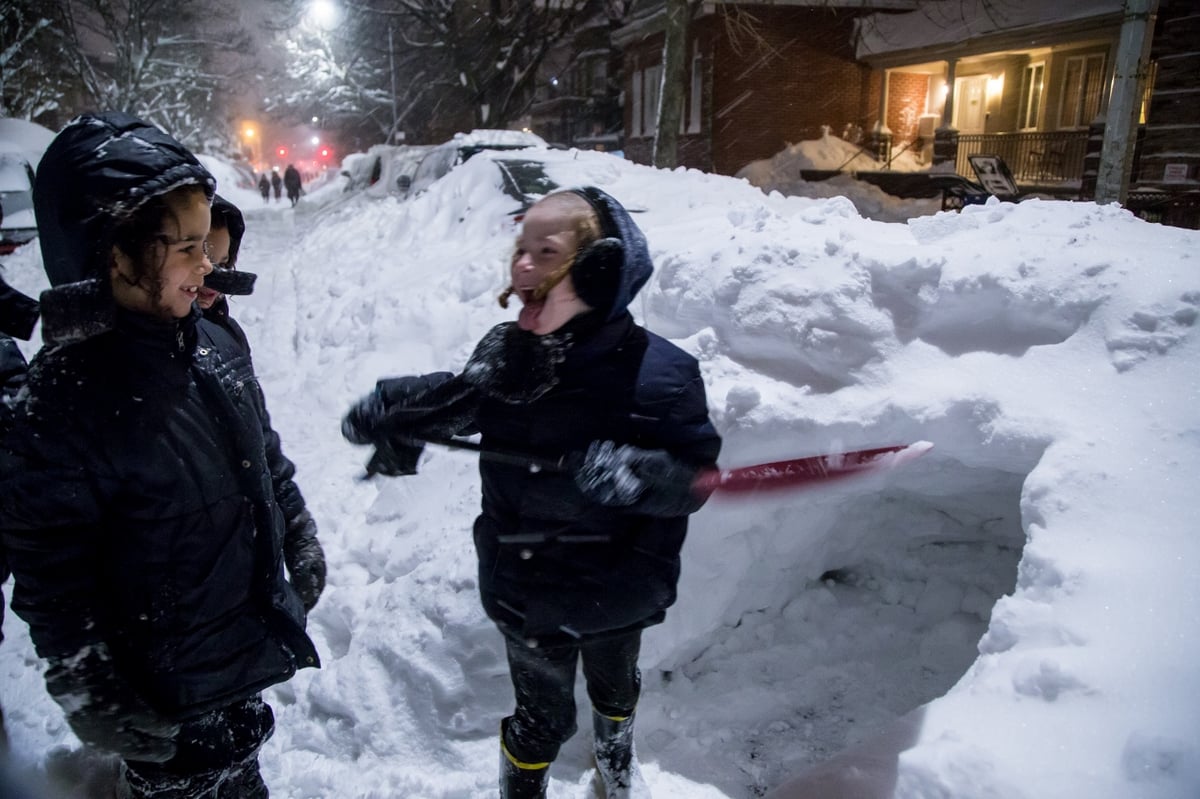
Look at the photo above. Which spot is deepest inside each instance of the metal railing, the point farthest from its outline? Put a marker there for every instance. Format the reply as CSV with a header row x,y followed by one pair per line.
x,y
1035,159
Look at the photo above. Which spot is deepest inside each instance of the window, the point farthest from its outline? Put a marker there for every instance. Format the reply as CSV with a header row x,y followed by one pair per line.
x,y
1029,113
696,92
635,121
1083,82
651,90
1147,92
599,75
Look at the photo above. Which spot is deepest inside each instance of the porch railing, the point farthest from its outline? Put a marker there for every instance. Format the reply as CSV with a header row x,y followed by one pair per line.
x,y
1035,159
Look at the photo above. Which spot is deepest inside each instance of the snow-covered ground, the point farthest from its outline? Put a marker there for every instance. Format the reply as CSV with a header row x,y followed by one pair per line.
x,y
1024,596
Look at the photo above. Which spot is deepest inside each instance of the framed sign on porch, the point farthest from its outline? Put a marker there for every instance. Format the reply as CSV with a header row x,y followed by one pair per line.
x,y
994,175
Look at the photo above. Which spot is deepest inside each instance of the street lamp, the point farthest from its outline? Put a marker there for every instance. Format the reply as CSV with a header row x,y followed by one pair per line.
x,y
324,13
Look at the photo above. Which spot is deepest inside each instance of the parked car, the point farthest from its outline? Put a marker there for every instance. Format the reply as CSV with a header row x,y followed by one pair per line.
x,y
397,165
21,146
377,171
17,223
444,157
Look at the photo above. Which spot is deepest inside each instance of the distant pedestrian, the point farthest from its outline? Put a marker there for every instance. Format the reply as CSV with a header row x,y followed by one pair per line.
x,y
276,183
291,180
264,187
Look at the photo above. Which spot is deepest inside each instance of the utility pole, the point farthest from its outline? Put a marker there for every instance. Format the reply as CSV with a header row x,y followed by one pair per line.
x,y
392,71
1129,82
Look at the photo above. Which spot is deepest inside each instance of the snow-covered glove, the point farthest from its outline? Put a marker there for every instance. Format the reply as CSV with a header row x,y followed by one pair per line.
x,y
305,559
361,423
607,476
104,710
648,481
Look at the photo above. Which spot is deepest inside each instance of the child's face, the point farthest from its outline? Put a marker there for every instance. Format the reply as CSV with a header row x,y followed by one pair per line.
x,y
546,242
180,248
218,253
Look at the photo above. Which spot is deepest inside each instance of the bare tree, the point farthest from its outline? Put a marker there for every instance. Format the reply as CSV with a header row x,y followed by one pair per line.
x,y
32,70
679,15
483,53
163,60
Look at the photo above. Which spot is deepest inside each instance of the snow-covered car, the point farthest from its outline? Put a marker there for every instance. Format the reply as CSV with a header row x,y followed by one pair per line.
x,y
396,167
17,223
444,157
21,146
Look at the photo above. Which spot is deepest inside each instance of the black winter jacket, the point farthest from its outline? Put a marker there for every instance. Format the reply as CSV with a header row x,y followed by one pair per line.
x,y
148,510
555,567
218,314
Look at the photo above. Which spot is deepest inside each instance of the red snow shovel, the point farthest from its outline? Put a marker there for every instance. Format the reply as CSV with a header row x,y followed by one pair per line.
x,y
803,471
793,473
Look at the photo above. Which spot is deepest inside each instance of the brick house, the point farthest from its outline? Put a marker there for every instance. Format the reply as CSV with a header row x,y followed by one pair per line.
x,y
760,76
1030,81
1024,79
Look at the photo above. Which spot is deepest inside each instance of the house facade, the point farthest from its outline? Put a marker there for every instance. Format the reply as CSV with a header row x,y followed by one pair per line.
x,y
759,77
577,100
1023,80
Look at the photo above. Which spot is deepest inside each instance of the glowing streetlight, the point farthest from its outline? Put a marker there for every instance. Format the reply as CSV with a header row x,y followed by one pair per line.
x,y
323,13
316,140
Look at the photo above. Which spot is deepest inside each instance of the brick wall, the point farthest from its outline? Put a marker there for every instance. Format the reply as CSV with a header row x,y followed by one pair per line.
x,y
783,91
760,96
908,94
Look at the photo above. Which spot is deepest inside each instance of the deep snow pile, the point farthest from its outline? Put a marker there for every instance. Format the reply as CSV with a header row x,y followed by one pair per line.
x,y
1035,570
781,173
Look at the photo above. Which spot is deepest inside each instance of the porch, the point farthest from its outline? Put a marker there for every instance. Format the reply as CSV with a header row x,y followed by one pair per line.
x,y
1049,161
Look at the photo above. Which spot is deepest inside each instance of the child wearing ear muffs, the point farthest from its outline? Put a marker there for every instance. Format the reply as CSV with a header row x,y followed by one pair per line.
x,y
573,564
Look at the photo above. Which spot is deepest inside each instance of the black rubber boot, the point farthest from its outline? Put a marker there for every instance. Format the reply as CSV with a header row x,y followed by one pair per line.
x,y
520,780
615,759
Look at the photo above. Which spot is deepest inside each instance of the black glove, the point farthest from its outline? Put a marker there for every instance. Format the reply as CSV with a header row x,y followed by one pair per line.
x,y
407,407
104,710
649,481
393,459
305,559
361,423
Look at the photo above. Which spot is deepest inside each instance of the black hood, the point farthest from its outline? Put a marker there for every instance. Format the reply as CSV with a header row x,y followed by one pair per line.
x,y
98,170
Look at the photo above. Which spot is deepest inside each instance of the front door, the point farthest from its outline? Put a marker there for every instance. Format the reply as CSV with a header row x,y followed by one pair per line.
x,y
970,106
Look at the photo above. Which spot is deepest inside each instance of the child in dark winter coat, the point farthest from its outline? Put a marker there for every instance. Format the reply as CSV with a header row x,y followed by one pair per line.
x,y
18,315
224,242
151,513
573,564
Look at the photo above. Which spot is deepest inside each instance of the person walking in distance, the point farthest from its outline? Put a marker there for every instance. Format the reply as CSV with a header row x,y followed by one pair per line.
x,y
291,181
